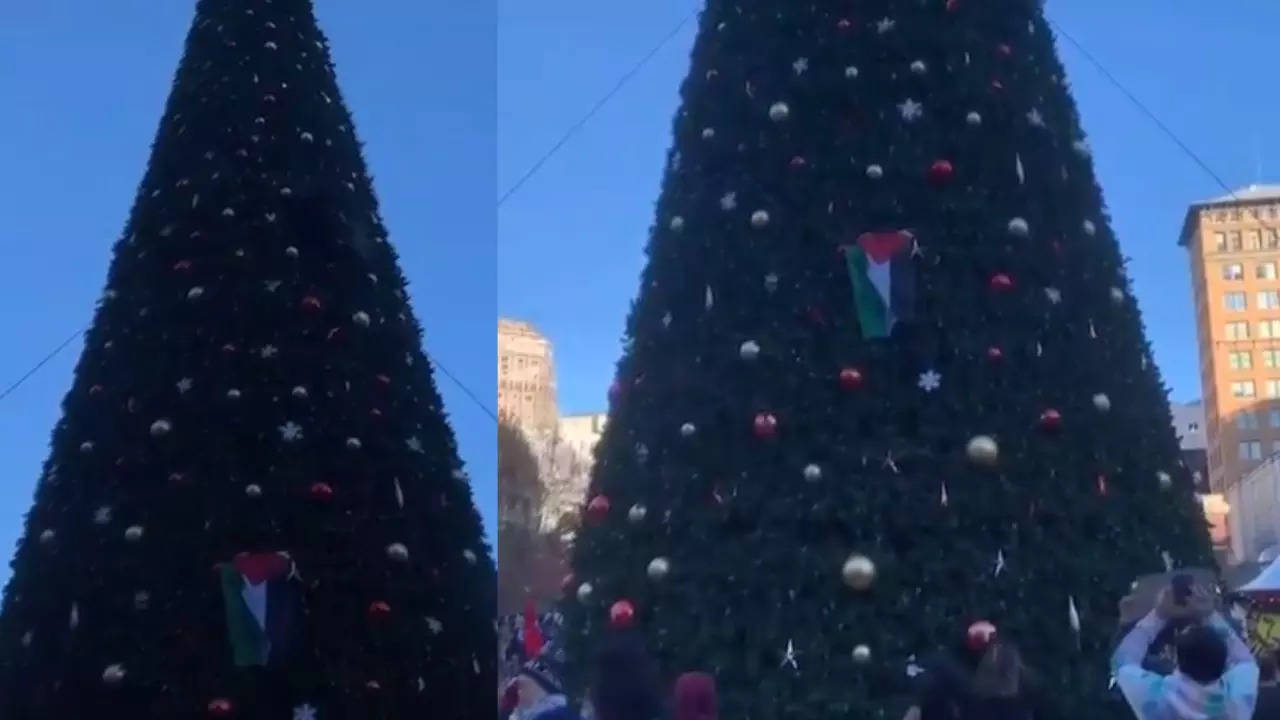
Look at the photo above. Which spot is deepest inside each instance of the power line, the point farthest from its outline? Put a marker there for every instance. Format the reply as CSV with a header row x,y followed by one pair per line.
x,y
26,376
1138,103
479,403
573,129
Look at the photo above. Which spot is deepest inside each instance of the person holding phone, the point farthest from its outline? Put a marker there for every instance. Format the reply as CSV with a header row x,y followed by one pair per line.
x,y
1216,677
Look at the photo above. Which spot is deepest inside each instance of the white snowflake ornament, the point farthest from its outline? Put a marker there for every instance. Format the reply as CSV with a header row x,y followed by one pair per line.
x,y
729,201
910,110
290,432
929,381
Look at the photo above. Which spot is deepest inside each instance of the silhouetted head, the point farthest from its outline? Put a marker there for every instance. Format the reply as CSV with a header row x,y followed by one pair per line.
x,y
1202,653
627,685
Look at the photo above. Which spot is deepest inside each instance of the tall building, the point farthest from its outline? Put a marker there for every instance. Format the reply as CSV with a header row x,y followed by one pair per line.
x,y
570,470
1234,247
526,377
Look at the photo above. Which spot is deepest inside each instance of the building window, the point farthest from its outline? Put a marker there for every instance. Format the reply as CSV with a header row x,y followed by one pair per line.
x,y
1232,271
1265,271
1269,329
1251,450
1237,331
1272,388
1240,359
1268,299
1243,389
1273,418
1273,237
1234,300
1270,358
1193,427
1233,239
1246,420
1251,240
1220,241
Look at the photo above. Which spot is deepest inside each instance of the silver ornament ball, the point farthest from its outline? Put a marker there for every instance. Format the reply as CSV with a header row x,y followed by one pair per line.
x,y
875,172
1164,479
983,450
133,533
677,223
253,491
759,219
858,572
398,552
974,119
779,112
1101,402
862,654
812,472
688,430
584,592
636,514
749,350
658,569
1019,227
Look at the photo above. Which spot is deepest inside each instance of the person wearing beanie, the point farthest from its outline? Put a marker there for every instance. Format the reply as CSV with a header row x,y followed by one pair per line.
x,y
695,697
626,682
540,694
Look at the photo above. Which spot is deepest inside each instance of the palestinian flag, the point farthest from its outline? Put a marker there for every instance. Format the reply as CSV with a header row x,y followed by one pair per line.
x,y
884,283
262,606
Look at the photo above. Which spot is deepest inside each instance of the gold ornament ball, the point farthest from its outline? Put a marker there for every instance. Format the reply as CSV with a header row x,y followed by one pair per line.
x,y
862,654
858,572
982,450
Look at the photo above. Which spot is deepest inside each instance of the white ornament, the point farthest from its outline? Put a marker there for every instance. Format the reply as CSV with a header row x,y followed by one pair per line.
x,y
304,712
184,385
1019,228
414,445
1102,402
918,67
862,654
361,318
708,133
1164,479
102,515
729,201
1117,295
86,446
253,491
658,569
982,450
1035,118
291,251
800,65
1053,294
307,137
113,674
133,533
584,592
636,514
195,293
160,428
470,556
910,110
749,350
677,223
353,443
885,25
875,172
1089,228
398,552
812,472
759,219
929,380
290,431
299,392
779,112
46,537
1082,148
851,72
688,429
771,282
233,394
973,118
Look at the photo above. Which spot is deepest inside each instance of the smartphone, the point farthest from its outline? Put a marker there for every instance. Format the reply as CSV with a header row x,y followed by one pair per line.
x,y
1181,584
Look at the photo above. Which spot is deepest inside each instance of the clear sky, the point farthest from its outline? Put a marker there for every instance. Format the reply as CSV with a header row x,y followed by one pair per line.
x,y
570,242
84,84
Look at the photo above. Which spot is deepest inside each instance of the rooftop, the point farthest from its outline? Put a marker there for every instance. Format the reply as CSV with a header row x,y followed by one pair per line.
x,y
1248,194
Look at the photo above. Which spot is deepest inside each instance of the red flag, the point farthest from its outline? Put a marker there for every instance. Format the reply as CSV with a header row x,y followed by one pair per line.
x,y
532,633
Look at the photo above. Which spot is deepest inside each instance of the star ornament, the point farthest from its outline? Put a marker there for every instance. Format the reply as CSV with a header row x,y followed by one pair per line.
x,y
414,445
929,381
910,110
304,712
800,65
1053,294
884,25
1035,118
290,431
789,656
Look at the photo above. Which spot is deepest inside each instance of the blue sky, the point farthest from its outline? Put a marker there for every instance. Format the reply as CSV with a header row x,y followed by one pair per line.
x,y
570,242
84,84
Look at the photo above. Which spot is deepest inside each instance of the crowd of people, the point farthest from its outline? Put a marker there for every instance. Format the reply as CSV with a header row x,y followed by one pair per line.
x,y
1182,660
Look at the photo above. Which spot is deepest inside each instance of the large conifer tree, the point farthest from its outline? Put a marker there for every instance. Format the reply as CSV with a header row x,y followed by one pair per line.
x,y
884,325
254,506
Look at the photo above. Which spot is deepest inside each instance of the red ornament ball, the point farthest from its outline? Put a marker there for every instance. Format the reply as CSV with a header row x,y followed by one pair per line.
x,y
321,492
379,610
1001,282
220,708
979,635
311,304
1051,420
598,509
940,173
850,378
995,354
622,615
765,426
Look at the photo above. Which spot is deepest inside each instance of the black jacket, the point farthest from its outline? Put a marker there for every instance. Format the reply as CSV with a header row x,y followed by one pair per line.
x,y
946,694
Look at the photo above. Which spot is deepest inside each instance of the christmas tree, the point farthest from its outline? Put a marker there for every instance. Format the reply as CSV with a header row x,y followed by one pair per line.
x,y
253,506
884,376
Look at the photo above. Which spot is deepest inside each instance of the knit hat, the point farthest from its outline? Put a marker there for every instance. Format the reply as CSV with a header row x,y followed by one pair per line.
x,y
546,669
